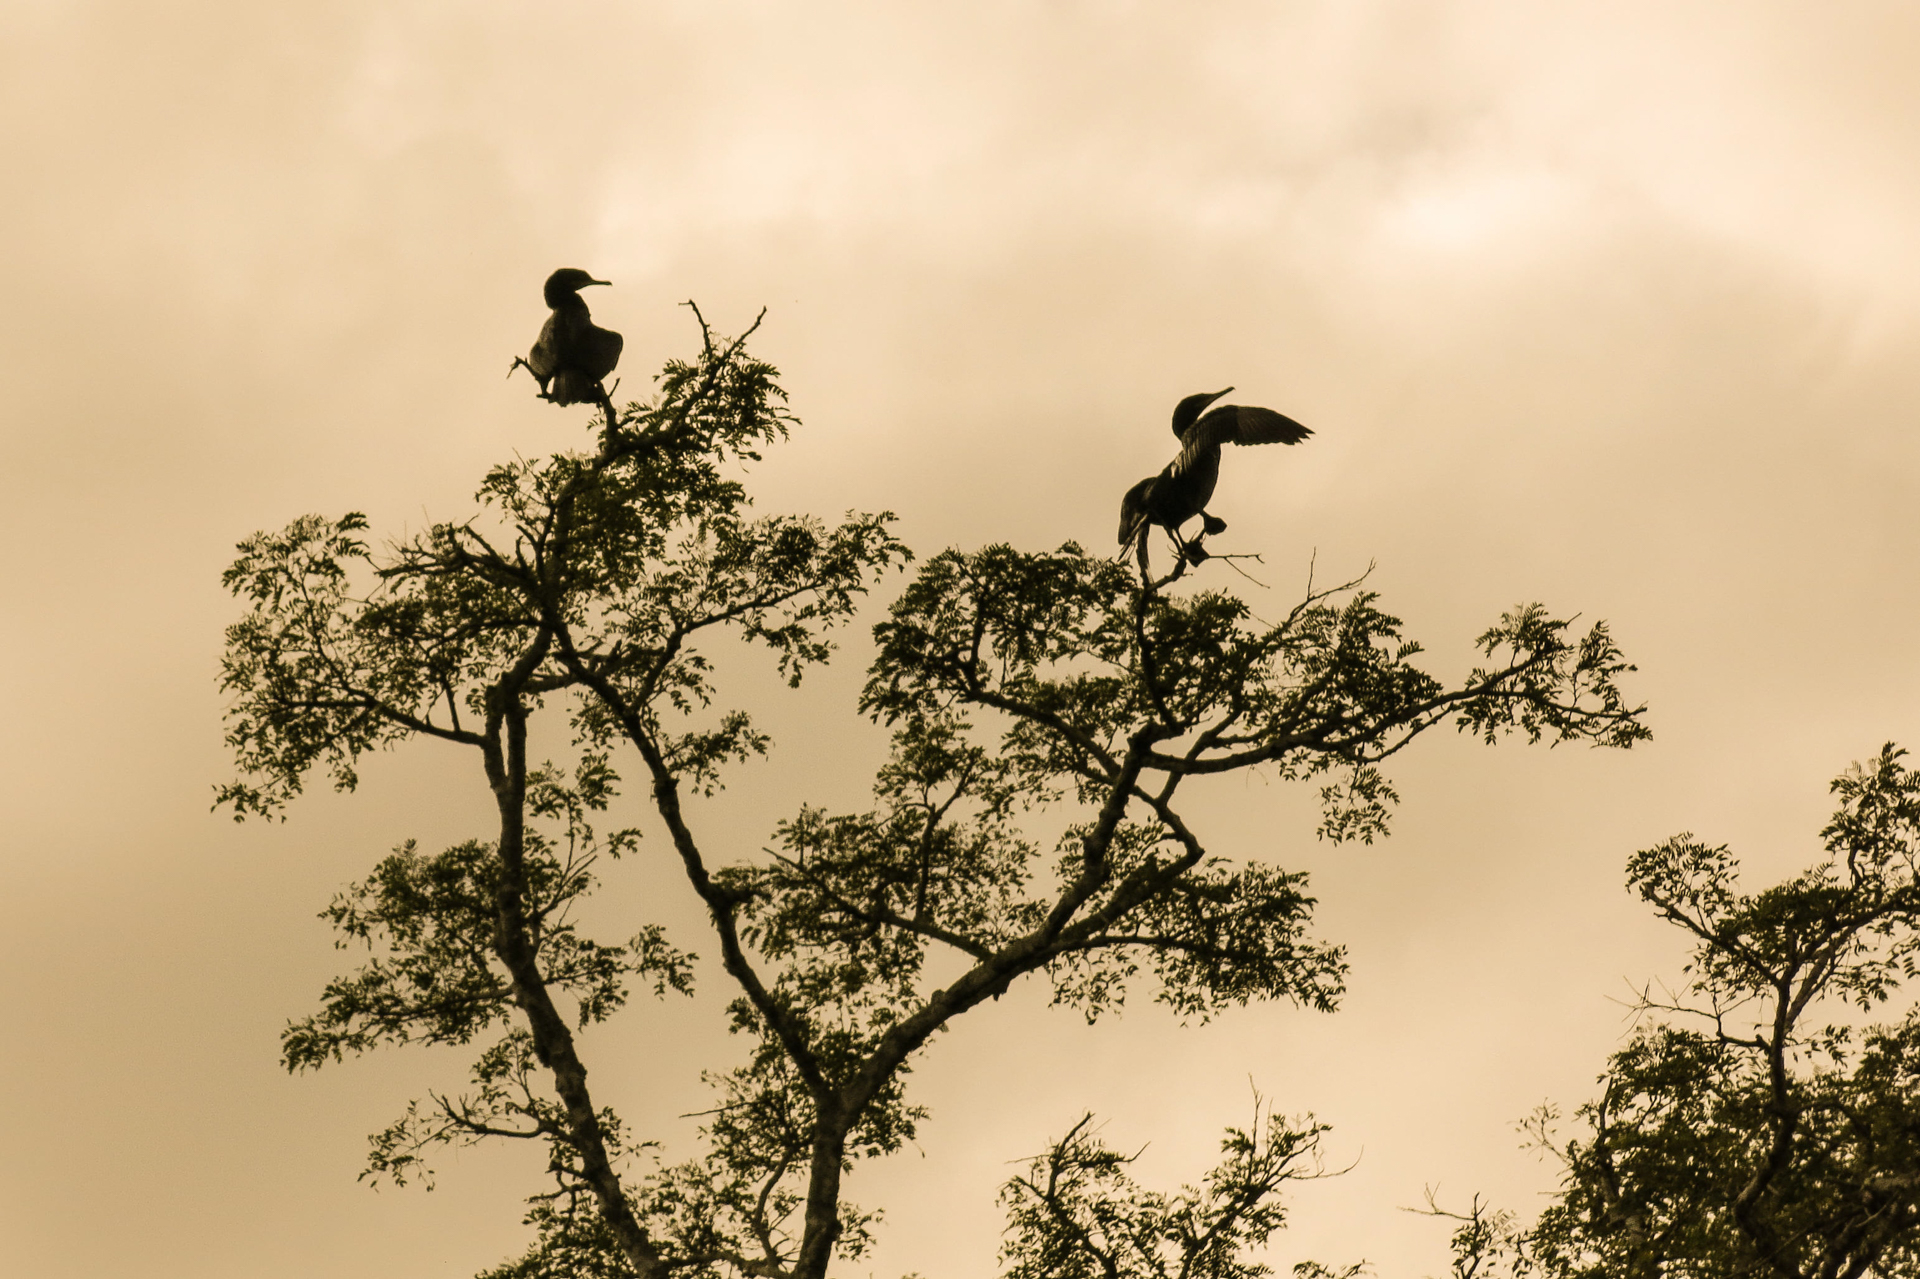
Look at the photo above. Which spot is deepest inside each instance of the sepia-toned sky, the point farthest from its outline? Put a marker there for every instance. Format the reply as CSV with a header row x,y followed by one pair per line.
x,y
1613,306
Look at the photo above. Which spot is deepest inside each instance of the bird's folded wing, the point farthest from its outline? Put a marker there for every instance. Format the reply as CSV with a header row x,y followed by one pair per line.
x,y
1133,510
544,359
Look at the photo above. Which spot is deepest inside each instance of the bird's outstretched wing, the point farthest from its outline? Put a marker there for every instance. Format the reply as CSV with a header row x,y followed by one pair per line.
x,y
1235,424
599,351
1241,424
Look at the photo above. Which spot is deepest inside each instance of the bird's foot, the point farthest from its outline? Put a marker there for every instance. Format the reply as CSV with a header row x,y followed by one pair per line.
x,y
1213,523
1194,552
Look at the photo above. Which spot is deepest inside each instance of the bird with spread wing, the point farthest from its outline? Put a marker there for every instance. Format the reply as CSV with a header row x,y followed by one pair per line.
x,y
1183,489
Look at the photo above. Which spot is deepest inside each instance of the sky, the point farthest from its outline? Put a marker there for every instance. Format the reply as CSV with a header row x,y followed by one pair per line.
x,y
1610,306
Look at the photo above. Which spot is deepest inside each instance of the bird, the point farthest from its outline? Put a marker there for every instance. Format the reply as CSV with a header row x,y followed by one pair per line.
x,y
1183,489
572,352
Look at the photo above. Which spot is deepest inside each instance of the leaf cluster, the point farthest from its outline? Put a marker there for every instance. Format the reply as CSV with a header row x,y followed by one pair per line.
x,y
434,976
1076,1212
1081,655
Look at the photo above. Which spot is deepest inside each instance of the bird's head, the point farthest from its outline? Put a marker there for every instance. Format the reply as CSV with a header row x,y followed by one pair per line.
x,y
566,281
1188,411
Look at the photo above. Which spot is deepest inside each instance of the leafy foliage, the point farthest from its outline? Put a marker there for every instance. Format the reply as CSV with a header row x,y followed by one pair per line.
x,y
1081,657
1736,1134
1485,1242
1076,1212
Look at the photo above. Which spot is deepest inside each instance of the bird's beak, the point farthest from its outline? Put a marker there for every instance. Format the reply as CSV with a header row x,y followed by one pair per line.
x,y
610,282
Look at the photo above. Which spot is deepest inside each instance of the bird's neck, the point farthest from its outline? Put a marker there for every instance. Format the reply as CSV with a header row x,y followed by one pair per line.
x,y
566,300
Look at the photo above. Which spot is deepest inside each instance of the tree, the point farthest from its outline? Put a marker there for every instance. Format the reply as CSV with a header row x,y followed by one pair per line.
x,y
1015,684
1076,1213
1740,1132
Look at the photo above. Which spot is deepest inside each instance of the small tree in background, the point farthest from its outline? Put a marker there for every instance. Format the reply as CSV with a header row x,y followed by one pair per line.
x,y
593,587
1076,1213
1741,1131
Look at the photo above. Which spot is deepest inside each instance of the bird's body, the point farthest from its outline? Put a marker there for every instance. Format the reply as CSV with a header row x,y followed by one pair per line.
x,y
1185,486
572,353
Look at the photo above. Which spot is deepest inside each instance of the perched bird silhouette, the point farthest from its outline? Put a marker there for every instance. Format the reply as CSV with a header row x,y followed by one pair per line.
x,y
572,353
1184,488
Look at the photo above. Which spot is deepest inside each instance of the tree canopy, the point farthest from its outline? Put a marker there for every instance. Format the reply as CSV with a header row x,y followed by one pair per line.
x,y
596,588
1756,1123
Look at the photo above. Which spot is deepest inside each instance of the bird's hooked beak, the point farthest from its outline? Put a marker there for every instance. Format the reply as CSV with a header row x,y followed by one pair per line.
x,y
609,282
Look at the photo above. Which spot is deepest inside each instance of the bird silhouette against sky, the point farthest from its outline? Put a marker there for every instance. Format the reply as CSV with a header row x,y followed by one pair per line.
x,y
1183,489
572,353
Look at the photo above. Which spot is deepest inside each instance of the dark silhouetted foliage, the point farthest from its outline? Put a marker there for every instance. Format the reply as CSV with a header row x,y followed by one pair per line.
x,y
1740,1131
